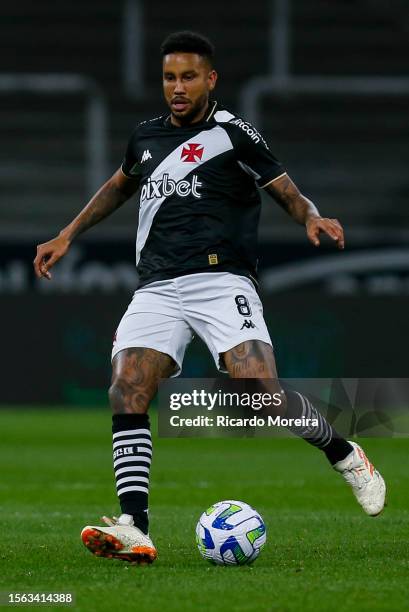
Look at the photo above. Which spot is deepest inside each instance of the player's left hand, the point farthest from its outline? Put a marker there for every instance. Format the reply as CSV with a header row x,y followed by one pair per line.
x,y
331,227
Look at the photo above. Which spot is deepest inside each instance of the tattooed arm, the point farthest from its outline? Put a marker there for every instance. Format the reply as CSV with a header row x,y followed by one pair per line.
x,y
117,190
302,210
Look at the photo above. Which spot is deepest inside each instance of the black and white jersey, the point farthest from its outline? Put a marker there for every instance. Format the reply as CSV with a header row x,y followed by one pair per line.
x,y
199,206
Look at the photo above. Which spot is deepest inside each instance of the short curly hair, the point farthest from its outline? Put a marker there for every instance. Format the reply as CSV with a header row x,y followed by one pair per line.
x,y
188,42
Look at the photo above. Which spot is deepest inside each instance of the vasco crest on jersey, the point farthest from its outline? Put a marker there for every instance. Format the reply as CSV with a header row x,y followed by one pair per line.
x,y
192,152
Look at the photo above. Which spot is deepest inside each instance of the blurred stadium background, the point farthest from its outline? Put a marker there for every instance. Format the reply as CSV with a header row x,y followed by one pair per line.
x,y
326,82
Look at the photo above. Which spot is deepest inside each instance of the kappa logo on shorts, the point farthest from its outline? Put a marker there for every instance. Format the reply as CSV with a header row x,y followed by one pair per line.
x,y
248,325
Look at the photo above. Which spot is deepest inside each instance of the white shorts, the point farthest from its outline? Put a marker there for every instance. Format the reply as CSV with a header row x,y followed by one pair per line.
x,y
221,308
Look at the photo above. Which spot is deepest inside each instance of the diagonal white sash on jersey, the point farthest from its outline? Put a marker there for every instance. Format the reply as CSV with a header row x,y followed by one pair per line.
x,y
215,142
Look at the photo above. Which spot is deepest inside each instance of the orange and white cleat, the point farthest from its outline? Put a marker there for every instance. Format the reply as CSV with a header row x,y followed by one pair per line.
x,y
367,484
119,540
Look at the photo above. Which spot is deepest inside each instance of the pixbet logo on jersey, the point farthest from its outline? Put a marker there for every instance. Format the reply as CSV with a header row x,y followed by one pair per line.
x,y
166,187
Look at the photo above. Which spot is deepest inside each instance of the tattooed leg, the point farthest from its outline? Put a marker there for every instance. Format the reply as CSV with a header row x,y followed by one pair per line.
x,y
251,359
135,377
255,359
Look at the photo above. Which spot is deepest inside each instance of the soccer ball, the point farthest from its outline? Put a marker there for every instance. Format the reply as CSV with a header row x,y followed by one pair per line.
x,y
230,533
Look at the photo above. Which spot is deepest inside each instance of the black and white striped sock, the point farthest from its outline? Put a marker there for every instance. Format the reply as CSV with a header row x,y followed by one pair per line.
x,y
323,436
132,446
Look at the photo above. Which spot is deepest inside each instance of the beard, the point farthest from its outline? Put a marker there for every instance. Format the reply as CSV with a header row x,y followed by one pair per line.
x,y
194,112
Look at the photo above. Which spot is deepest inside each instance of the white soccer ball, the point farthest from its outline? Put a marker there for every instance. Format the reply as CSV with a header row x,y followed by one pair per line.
x,y
230,533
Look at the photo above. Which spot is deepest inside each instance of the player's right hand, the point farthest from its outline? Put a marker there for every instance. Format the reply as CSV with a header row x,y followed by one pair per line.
x,y
48,254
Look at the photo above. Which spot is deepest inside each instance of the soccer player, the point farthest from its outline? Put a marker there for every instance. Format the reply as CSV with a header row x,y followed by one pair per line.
x,y
197,169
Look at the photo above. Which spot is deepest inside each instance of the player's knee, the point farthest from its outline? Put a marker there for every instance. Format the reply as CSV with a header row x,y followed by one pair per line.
x,y
279,404
273,394
282,398
272,389
128,396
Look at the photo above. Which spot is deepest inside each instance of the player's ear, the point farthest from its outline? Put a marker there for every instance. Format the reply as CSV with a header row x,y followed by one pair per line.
x,y
212,78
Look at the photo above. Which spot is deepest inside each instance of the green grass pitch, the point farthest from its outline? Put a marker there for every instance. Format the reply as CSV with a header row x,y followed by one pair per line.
x,y
322,552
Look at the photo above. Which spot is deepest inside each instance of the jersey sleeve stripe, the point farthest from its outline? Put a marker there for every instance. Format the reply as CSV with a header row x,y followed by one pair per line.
x,y
125,174
272,180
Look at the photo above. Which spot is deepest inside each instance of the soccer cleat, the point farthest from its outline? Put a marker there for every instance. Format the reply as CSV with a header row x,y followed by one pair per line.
x,y
119,540
367,484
